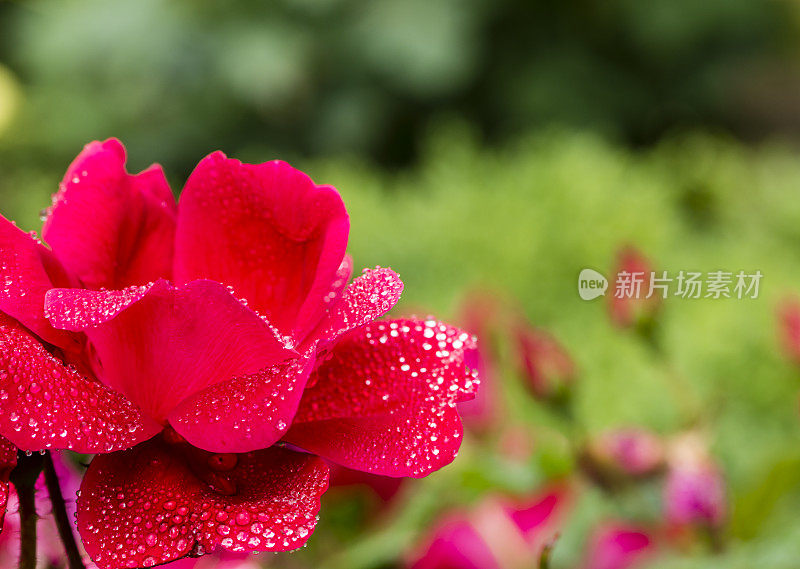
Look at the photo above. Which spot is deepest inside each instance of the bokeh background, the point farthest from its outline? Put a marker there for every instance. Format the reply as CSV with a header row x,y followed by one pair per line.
x,y
488,150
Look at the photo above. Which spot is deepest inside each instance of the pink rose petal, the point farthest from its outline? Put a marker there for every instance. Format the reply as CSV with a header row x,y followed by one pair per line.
x,y
385,401
46,404
110,228
161,344
267,231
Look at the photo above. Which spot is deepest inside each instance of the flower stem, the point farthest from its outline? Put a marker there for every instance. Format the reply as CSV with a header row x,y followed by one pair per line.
x,y
24,479
74,559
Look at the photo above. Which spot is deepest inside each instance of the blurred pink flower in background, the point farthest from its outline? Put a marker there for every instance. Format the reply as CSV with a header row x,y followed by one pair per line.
x,y
618,546
498,534
695,496
546,367
694,492
625,453
789,328
456,544
635,451
636,309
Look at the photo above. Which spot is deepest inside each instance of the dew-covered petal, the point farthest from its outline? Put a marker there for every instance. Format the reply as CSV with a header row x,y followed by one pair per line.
x,y
28,270
46,404
158,502
368,297
159,344
266,230
8,460
342,277
385,401
110,228
245,413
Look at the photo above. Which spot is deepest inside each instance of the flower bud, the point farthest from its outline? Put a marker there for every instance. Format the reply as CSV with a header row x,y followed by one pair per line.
x,y
694,492
695,496
547,368
620,455
629,305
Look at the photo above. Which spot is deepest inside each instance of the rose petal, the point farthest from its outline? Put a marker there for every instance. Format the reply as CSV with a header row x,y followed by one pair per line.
x,y
8,460
45,404
245,413
28,270
160,344
343,274
110,228
385,401
266,230
155,503
368,297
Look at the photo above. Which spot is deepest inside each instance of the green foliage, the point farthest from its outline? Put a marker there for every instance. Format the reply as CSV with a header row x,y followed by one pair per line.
x,y
310,77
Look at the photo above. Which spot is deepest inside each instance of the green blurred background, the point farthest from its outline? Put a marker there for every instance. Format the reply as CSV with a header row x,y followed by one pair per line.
x,y
499,145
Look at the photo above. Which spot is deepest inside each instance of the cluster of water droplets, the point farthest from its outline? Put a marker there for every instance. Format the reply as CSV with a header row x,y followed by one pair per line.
x,y
49,404
246,410
79,309
150,508
402,377
369,296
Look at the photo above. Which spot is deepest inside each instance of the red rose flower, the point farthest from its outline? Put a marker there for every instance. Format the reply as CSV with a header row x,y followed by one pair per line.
x,y
224,334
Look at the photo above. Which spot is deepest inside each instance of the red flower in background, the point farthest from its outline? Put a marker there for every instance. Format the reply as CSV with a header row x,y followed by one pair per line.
x,y
222,332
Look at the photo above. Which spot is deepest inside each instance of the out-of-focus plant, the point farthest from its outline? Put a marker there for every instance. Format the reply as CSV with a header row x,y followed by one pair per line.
x,y
299,76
